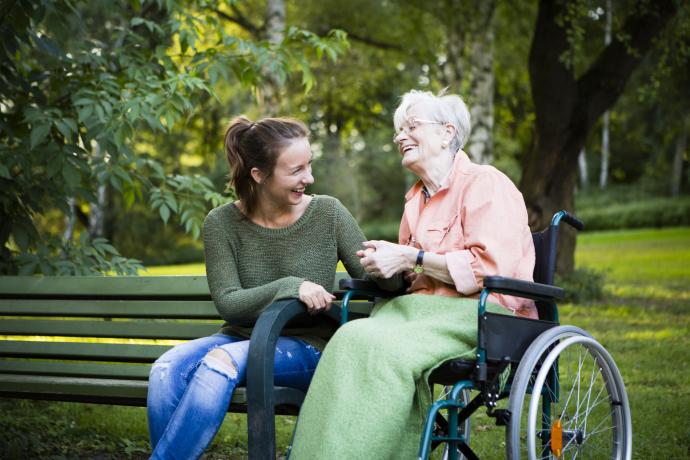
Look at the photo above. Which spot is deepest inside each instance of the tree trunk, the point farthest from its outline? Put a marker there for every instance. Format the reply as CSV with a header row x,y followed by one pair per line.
x,y
70,220
582,167
566,108
468,70
97,213
481,96
677,175
344,186
97,209
274,34
604,172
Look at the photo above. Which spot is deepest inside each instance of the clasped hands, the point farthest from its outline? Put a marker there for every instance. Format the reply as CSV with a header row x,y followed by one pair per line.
x,y
383,259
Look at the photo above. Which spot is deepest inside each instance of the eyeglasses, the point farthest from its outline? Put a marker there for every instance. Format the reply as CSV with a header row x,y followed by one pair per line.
x,y
413,123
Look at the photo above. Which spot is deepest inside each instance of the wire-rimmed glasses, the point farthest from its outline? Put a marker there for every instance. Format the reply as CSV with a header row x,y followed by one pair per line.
x,y
413,123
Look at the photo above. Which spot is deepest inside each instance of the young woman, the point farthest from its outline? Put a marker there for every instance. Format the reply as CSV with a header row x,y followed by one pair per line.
x,y
274,242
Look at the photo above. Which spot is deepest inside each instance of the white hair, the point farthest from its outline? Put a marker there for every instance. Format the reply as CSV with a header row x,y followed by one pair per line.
x,y
446,108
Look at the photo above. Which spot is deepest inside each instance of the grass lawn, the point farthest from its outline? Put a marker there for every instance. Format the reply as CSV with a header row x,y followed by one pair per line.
x,y
644,322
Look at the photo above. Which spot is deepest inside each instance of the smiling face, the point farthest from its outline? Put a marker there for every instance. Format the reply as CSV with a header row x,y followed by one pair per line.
x,y
420,138
291,175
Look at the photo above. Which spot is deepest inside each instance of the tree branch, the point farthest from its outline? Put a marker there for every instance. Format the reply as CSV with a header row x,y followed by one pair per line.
x,y
240,20
373,42
325,28
605,80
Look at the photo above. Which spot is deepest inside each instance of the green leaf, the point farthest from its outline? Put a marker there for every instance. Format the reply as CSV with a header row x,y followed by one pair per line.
x,y
170,201
84,101
54,164
48,46
156,166
28,269
38,134
122,174
4,172
21,237
85,113
71,174
65,129
115,182
129,196
165,213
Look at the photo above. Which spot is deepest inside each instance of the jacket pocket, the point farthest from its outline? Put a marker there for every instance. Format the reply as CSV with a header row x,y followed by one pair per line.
x,y
439,231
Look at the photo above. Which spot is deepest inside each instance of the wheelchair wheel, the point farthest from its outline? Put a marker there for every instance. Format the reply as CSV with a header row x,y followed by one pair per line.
x,y
463,428
568,400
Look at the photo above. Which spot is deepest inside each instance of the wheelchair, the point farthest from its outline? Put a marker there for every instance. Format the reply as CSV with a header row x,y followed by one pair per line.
x,y
566,397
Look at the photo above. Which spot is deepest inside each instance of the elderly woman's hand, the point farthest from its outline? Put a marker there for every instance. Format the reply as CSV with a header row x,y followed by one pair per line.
x,y
384,260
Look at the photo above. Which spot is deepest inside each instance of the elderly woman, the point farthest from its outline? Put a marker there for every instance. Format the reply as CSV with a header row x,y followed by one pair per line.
x,y
462,222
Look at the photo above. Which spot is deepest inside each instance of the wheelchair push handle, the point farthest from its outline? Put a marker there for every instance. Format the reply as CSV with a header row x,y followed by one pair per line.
x,y
568,219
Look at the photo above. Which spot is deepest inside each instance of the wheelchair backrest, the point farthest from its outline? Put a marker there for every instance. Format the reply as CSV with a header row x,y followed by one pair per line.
x,y
545,249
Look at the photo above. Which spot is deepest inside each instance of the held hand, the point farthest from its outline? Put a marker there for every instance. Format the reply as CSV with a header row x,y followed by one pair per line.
x,y
315,297
386,259
410,278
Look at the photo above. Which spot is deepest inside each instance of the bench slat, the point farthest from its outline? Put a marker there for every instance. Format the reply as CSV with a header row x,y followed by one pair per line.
x,y
119,329
109,352
202,309
112,287
164,309
87,388
96,286
75,369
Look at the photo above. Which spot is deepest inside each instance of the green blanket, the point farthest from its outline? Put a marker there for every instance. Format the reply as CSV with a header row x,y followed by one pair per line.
x,y
370,395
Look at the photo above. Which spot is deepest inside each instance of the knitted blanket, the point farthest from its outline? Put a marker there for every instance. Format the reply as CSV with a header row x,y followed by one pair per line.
x,y
370,393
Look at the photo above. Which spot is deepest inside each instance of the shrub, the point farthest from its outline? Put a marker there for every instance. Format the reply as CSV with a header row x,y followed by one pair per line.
x,y
651,212
582,285
382,230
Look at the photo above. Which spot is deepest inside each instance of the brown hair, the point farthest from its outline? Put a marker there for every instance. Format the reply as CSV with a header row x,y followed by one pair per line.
x,y
256,145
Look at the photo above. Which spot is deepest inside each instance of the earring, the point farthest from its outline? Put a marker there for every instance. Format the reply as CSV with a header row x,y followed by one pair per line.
x,y
444,145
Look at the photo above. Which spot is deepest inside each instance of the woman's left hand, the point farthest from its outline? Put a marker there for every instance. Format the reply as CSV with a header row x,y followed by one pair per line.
x,y
384,259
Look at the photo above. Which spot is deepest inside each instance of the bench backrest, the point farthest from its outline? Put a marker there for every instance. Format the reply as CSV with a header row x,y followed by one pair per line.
x,y
99,327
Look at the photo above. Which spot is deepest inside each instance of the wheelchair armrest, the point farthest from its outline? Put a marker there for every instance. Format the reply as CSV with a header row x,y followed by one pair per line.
x,y
367,288
522,288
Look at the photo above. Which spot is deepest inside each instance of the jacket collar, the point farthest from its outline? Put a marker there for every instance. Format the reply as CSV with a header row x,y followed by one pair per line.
x,y
460,163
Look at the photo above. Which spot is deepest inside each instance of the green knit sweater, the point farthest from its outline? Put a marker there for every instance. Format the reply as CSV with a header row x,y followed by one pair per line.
x,y
248,266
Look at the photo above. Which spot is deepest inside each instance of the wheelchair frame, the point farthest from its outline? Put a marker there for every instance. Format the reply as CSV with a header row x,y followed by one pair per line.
x,y
534,346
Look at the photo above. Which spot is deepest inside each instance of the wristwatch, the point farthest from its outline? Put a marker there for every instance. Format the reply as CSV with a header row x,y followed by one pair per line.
x,y
418,267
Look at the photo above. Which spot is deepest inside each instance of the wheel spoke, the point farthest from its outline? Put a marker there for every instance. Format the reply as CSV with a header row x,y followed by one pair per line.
x,y
580,371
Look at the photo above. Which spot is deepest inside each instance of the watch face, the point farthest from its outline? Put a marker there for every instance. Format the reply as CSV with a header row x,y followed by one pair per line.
x,y
418,269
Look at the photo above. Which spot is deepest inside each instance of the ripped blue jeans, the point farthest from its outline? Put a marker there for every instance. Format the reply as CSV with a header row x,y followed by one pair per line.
x,y
189,392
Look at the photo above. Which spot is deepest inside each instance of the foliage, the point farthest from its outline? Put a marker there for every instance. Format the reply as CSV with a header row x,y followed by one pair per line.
x,y
81,81
382,230
653,212
582,285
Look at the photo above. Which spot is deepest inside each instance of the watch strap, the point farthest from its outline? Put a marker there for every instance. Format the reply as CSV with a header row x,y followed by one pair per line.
x,y
418,266
420,258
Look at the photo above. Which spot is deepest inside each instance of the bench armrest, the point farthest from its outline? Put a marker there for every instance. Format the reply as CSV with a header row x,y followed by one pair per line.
x,y
260,373
522,288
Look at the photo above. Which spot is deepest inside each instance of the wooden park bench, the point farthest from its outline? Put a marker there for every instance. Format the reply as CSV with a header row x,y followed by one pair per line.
x,y
93,340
